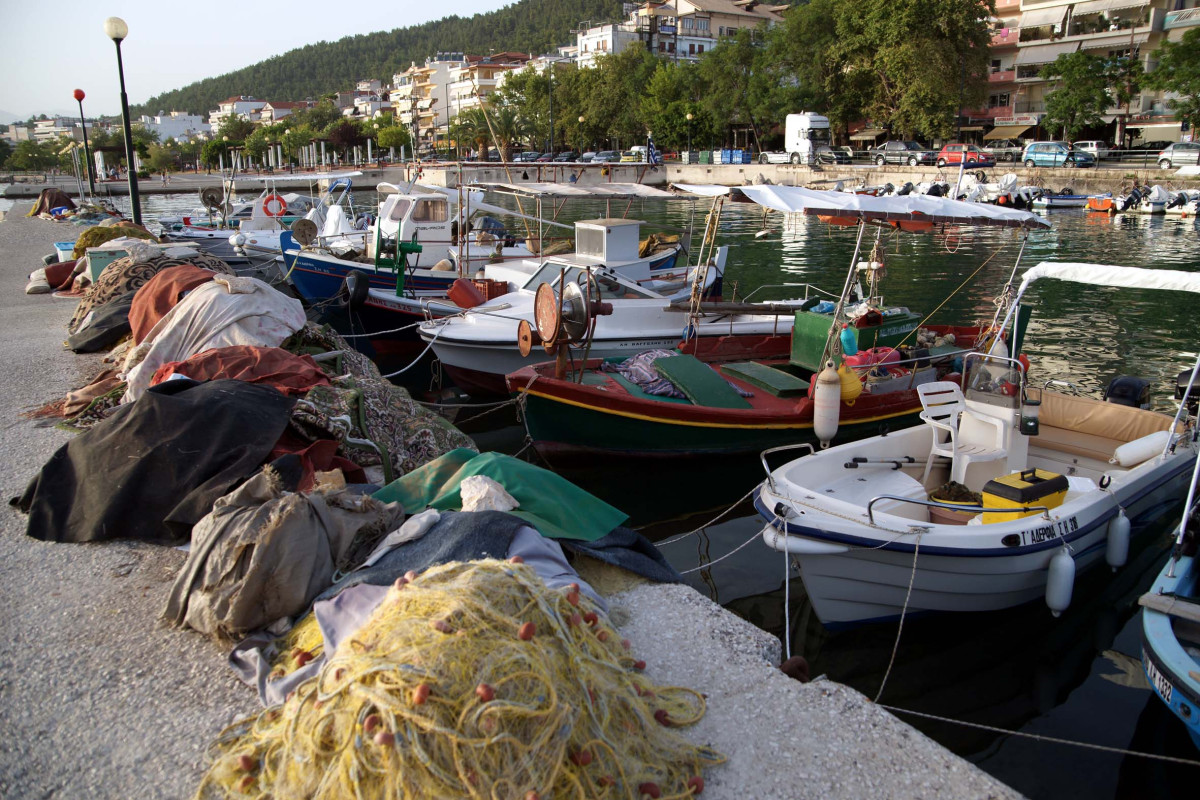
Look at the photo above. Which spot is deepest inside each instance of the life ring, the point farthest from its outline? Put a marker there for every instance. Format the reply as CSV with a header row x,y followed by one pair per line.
x,y
274,198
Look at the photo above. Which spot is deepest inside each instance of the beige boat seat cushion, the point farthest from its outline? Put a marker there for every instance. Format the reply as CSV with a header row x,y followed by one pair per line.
x,y
1089,428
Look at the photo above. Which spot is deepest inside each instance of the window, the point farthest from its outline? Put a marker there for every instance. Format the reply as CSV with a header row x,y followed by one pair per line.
x,y
399,210
691,48
701,24
662,46
670,47
687,23
995,65
430,211
998,100
699,49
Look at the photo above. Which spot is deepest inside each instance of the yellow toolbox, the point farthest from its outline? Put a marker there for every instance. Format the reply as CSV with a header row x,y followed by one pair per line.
x,y
1031,487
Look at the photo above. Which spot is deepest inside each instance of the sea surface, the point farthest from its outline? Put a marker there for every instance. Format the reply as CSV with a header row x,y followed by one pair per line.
x,y
1077,677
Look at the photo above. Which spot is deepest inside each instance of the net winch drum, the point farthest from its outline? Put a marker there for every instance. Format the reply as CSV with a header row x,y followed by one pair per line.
x,y
1025,489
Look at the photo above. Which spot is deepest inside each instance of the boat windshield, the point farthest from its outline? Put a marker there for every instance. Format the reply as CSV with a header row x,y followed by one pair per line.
x,y
992,381
610,287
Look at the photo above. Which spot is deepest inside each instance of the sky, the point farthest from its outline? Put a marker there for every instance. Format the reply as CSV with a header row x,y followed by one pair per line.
x,y
49,48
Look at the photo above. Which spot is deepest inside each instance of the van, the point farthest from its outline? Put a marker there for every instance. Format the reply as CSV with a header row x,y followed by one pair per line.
x,y
1055,154
1096,148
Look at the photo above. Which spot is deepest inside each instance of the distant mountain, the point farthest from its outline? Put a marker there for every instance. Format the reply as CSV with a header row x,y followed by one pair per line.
x,y
7,117
528,26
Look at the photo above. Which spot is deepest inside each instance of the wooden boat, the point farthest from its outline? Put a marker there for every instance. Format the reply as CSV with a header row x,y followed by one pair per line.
x,y
1065,484
594,412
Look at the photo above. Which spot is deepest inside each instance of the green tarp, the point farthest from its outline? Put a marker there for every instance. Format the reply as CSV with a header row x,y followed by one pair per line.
x,y
556,507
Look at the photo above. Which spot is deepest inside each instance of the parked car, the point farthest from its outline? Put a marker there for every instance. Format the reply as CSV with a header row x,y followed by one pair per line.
x,y
1055,154
1095,147
630,157
1179,154
898,152
1004,149
827,155
772,157
566,156
606,157
586,158
972,156
528,155
847,149
546,157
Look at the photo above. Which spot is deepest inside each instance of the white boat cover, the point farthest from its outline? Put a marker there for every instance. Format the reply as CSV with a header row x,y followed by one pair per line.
x,y
1158,195
1107,275
912,207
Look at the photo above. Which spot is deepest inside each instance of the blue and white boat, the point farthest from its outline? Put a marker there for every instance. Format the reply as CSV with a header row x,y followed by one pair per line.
x,y
1171,623
873,543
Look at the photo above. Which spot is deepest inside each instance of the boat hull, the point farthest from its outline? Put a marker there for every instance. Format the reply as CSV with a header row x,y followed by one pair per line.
x,y
1174,674
854,579
214,242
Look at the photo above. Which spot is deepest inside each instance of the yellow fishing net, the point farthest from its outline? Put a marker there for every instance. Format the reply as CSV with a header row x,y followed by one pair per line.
x,y
471,680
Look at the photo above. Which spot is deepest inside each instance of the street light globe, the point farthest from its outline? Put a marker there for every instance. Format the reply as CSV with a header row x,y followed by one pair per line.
x,y
79,95
689,116
581,120
116,29
225,138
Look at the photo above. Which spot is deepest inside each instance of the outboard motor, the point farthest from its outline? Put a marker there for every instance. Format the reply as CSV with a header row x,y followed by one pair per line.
x,y
1130,200
1126,390
1181,385
906,189
887,189
936,190
1178,199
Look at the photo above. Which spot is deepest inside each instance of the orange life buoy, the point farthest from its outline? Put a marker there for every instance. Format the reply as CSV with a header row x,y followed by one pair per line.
x,y
274,198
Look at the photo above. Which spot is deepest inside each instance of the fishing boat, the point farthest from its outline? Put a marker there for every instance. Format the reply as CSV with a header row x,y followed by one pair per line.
x,y
1171,614
739,394
1033,489
263,219
453,243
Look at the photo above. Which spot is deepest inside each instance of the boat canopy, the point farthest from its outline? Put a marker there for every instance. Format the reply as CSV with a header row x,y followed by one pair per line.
x,y
1108,275
603,191
910,208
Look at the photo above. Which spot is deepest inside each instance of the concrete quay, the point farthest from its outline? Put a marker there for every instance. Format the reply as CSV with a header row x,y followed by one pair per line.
x,y
100,699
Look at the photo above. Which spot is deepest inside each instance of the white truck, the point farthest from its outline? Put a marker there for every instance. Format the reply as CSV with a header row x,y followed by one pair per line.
x,y
803,134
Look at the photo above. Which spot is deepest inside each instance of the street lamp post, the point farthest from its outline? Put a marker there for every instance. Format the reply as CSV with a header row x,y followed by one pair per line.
x,y
582,138
87,155
116,29
689,122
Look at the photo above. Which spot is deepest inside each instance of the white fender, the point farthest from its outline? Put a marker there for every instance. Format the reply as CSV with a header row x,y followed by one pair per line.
x,y
827,399
1060,582
1117,546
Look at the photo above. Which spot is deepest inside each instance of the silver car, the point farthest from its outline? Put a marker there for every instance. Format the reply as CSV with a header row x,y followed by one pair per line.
x,y
1179,154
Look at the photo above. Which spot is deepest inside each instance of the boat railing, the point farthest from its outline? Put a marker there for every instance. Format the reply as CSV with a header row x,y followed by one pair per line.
x,y
1191,495
767,467
951,506
806,286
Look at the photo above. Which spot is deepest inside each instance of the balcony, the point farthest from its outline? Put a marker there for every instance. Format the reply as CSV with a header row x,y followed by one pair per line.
x,y
990,113
1003,76
1031,107
1181,19
1007,37
1008,5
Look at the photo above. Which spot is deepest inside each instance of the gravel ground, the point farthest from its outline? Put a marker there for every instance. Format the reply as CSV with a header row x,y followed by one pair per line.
x,y
100,699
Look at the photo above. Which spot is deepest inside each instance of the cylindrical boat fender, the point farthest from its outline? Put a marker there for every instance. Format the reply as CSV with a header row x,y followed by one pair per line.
x,y
1060,582
1133,453
1116,550
851,384
355,287
827,395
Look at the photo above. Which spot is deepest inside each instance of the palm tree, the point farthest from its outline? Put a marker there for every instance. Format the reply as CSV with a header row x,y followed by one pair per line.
x,y
471,126
509,127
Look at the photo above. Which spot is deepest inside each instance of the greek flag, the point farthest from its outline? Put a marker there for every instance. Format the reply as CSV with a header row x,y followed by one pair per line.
x,y
651,152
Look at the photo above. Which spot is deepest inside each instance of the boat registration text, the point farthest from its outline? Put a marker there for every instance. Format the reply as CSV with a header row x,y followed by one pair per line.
x,y
1161,684
1053,530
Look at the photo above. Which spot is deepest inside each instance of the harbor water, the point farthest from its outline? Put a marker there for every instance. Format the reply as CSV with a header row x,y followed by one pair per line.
x,y
1077,677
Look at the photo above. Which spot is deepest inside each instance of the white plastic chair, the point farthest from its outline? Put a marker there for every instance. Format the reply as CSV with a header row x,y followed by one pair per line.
x,y
943,407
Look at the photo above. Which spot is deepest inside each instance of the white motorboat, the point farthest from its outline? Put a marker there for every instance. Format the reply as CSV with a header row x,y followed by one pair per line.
x,y
1184,204
1064,483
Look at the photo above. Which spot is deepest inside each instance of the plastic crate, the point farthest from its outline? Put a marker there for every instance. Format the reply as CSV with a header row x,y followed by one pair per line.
x,y
489,288
65,250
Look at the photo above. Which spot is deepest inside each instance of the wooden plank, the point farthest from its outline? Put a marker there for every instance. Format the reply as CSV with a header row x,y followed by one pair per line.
x,y
769,379
1171,606
699,382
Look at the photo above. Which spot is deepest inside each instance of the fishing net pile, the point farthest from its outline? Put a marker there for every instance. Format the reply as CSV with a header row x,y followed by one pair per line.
x,y
470,680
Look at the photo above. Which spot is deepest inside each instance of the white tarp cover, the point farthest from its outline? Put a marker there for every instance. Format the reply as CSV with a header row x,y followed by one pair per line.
x,y
1107,275
1115,42
913,207
1097,6
602,191
1044,53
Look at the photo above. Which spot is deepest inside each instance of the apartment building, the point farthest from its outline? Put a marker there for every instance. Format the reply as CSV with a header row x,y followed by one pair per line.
x,y
178,125
480,76
245,106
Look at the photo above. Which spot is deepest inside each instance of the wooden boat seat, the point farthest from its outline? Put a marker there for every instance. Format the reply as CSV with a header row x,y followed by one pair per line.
x,y
699,382
636,391
1090,428
771,380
